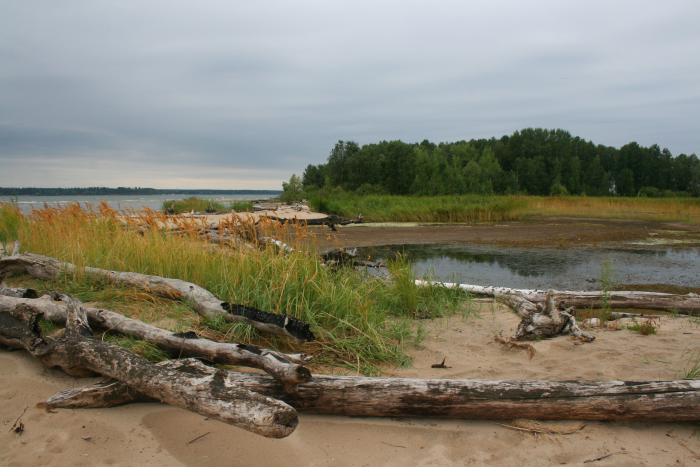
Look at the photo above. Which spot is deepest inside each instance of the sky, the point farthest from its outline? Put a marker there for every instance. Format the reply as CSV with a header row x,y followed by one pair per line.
x,y
241,94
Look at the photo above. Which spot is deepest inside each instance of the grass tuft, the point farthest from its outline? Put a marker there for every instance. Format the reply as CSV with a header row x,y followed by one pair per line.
x,y
360,321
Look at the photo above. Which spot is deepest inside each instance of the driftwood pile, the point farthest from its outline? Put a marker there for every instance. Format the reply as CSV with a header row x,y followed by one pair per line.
x,y
551,313
267,404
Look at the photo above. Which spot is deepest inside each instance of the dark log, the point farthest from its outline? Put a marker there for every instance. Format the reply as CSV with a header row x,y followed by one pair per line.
x,y
203,301
671,401
282,366
192,385
18,292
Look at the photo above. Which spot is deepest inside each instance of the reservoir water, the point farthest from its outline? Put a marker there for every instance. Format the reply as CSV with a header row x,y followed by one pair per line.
x,y
538,268
123,202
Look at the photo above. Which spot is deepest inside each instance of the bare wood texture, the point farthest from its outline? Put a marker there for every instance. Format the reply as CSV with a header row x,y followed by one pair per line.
x,y
192,385
681,303
477,399
202,300
282,366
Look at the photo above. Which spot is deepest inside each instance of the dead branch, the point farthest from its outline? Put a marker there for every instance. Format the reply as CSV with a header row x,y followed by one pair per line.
x,y
282,366
203,301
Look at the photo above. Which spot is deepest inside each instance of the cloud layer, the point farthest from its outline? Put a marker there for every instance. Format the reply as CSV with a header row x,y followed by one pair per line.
x,y
219,94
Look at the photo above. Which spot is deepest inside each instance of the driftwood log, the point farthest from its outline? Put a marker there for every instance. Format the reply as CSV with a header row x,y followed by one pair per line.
x,y
187,383
284,367
625,299
204,302
538,320
466,399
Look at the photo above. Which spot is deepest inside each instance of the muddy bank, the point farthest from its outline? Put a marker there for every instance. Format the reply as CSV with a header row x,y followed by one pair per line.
x,y
555,233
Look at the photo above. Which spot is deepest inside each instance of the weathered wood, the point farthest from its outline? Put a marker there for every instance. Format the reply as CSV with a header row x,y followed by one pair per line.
x,y
103,394
192,385
681,303
476,399
203,301
546,321
282,366
538,320
18,292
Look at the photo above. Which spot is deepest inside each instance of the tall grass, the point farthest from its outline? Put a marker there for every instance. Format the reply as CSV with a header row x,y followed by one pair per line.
x,y
179,206
478,208
386,208
360,321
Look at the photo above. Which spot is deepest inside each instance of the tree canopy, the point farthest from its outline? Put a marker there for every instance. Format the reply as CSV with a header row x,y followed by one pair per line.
x,y
532,161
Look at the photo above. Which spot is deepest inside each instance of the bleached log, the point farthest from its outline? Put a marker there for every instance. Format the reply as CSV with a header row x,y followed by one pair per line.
x,y
681,303
473,399
282,366
202,300
192,385
538,320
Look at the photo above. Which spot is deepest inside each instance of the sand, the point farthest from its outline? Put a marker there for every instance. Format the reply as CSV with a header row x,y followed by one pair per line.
x,y
153,434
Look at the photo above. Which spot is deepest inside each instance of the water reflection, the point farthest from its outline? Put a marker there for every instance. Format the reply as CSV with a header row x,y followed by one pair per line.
x,y
574,268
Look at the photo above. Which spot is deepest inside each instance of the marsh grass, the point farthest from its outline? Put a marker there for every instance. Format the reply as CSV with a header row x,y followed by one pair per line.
x,y
497,208
192,203
360,321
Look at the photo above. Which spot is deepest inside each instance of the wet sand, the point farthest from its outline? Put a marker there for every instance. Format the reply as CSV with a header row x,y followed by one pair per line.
x,y
559,232
153,434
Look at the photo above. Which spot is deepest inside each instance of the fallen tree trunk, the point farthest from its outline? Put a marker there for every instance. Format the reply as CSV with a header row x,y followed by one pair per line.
x,y
681,303
203,301
538,320
465,399
282,366
191,384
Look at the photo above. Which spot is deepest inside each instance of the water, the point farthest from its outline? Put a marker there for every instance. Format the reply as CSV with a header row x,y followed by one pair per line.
x,y
540,268
122,202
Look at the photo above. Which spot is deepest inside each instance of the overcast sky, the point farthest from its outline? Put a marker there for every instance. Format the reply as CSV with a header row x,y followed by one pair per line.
x,y
241,94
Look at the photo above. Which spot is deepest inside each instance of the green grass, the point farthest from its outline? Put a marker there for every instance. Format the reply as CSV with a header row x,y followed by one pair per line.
x,y
139,347
645,328
497,208
360,321
192,204
242,206
692,370
385,208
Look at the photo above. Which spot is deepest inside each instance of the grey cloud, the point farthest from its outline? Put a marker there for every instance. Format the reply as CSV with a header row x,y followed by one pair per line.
x,y
263,88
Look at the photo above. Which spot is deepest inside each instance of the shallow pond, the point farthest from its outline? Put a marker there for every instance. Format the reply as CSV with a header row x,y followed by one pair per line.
x,y
537,268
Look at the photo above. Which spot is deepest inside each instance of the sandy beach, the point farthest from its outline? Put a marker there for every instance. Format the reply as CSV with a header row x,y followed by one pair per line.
x,y
154,434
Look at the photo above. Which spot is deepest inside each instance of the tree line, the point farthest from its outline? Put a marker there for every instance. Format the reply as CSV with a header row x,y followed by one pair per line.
x,y
531,161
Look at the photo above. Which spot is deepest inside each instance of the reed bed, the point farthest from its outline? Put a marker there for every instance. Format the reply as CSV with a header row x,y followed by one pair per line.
x,y
360,321
499,208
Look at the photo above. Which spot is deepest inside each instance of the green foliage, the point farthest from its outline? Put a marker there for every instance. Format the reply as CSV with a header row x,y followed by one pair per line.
x,y
293,190
10,218
242,206
388,208
193,203
532,161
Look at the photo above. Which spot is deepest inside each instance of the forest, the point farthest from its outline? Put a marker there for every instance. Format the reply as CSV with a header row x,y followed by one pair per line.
x,y
532,161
